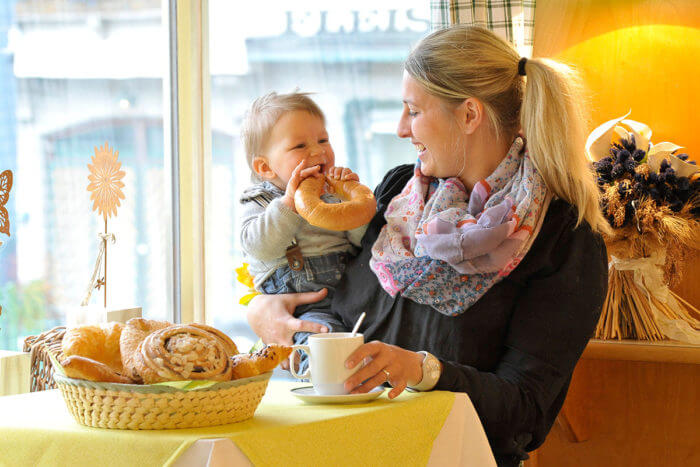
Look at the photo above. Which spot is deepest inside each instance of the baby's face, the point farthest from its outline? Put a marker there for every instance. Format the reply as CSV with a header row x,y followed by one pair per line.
x,y
297,136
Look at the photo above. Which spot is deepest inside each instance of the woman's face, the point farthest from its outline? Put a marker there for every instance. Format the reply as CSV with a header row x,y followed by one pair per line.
x,y
433,128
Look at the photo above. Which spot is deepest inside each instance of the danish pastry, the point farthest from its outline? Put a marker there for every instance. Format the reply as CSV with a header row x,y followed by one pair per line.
x,y
176,352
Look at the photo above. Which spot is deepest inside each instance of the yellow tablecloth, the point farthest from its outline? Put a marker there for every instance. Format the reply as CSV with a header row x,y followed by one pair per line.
x,y
36,429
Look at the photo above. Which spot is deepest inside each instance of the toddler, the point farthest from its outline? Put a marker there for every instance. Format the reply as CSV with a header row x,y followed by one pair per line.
x,y
286,141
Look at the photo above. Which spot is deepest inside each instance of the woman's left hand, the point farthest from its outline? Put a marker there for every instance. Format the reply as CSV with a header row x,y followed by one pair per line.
x,y
385,363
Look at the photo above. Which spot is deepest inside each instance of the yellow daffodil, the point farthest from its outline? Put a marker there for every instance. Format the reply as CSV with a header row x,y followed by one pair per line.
x,y
244,277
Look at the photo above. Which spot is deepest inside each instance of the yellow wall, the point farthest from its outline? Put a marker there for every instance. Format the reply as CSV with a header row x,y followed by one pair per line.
x,y
642,55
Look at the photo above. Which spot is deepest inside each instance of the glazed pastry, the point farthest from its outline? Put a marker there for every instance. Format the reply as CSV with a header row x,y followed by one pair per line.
x,y
135,331
96,342
226,341
85,368
262,361
179,352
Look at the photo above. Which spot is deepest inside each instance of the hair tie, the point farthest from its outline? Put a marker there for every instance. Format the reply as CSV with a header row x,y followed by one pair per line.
x,y
521,66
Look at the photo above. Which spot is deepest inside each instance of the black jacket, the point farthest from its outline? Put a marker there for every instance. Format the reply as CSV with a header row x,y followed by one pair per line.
x,y
514,351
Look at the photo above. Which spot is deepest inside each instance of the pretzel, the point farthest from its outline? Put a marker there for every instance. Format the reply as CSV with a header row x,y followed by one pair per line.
x,y
357,209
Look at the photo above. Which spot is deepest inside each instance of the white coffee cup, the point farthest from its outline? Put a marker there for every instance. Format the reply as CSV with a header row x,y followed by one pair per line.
x,y
327,354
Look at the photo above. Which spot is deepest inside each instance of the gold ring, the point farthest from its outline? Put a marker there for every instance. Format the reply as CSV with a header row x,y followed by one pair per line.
x,y
387,374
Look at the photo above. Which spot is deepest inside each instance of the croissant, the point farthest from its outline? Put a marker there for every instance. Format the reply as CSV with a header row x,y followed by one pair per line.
x,y
262,361
98,343
176,352
79,367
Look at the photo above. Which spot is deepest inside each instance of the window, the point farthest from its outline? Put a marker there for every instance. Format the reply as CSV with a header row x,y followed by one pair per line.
x,y
349,55
72,76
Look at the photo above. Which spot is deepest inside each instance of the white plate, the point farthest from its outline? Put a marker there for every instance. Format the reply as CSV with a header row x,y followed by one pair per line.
x,y
308,394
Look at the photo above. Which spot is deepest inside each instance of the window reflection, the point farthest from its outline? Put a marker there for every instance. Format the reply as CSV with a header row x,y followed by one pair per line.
x,y
350,55
74,74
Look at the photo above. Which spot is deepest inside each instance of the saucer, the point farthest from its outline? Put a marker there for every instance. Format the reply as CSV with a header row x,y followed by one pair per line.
x,y
308,394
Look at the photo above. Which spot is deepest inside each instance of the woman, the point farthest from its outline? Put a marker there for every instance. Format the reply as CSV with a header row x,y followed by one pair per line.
x,y
530,300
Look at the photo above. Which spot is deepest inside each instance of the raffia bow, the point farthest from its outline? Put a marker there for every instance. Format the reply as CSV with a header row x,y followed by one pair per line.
x,y
95,282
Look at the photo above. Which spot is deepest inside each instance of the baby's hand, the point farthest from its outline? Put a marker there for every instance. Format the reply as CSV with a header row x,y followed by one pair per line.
x,y
299,173
342,173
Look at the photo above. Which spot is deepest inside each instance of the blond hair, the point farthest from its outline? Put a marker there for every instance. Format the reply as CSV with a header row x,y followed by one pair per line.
x,y
262,116
469,61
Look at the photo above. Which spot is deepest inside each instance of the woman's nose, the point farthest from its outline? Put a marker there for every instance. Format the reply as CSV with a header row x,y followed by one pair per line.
x,y
404,128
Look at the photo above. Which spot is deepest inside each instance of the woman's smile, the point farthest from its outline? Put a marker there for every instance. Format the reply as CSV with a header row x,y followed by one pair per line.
x,y
421,150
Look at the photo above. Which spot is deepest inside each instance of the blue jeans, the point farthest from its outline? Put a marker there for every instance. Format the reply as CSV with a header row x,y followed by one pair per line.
x,y
318,272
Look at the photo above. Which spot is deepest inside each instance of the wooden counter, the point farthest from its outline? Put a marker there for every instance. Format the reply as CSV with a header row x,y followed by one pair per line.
x,y
630,403
642,351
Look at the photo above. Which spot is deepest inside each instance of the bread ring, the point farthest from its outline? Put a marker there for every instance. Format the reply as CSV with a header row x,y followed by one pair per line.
x,y
357,209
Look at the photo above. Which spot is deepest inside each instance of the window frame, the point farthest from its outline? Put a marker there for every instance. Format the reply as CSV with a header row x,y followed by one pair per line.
x,y
189,101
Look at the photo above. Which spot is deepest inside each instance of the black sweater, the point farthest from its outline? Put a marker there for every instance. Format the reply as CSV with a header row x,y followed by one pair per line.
x,y
514,351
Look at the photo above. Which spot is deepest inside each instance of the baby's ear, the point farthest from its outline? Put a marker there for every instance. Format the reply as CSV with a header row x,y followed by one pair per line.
x,y
262,168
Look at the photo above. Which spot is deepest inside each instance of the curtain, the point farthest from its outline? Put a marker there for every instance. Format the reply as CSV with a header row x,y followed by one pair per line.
x,y
512,20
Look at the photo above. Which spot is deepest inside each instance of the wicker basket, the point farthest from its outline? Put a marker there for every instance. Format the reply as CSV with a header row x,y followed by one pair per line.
x,y
155,407
40,346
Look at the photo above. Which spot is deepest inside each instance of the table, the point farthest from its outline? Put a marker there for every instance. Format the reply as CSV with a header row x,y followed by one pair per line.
x,y
437,428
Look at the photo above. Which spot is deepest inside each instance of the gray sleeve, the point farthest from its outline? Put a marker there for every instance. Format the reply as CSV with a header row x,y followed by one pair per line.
x,y
355,235
267,232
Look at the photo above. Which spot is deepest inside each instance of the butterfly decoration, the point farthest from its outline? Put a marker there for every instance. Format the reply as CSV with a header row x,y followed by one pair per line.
x,y
5,187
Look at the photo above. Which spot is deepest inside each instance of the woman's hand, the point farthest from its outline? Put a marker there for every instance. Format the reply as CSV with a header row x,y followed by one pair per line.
x,y
402,366
272,317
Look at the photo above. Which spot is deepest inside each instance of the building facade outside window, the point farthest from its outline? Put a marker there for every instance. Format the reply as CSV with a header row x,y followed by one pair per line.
x,y
349,55
75,75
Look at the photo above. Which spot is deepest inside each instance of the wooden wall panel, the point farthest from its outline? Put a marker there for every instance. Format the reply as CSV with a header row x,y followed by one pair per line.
x,y
635,413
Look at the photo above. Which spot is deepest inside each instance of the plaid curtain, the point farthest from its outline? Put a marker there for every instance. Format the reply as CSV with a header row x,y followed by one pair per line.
x,y
513,20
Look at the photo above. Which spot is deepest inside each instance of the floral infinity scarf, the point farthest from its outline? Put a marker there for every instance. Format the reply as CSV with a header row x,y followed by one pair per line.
x,y
444,247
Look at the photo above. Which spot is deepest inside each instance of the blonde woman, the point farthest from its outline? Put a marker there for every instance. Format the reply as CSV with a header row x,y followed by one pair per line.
x,y
484,270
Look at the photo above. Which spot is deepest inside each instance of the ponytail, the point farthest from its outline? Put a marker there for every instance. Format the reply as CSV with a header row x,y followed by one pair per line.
x,y
552,119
